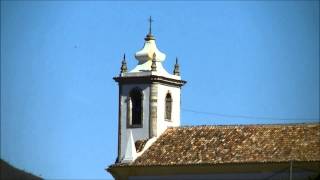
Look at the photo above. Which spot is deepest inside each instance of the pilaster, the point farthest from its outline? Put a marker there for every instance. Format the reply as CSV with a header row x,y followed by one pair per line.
x,y
119,123
153,110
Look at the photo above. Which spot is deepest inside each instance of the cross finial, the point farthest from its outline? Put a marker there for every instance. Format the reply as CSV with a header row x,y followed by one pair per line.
x,y
150,24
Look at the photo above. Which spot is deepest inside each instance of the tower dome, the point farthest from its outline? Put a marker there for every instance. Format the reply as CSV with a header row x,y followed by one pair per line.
x,y
149,48
149,53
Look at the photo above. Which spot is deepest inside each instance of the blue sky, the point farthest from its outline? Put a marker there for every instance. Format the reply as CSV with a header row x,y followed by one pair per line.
x,y
59,102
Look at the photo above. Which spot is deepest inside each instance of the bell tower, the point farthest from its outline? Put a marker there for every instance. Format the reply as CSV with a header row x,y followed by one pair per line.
x,y
149,100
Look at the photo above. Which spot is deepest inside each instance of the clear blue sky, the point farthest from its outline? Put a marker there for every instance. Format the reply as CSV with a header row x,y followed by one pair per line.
x,y
59,102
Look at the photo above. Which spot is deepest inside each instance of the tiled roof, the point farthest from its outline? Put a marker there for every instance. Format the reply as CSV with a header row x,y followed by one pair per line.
x,y
234,144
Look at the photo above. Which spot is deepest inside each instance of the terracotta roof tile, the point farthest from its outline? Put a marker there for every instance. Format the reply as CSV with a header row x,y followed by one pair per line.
x,y
234,144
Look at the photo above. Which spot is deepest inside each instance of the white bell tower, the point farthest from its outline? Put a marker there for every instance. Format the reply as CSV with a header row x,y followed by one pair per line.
x,y
149,100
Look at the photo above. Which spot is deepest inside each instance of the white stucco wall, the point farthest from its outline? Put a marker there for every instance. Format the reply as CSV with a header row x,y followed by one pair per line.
x,y
137,133
162,124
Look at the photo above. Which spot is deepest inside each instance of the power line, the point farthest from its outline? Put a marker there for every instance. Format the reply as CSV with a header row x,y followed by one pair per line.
x,y
247,116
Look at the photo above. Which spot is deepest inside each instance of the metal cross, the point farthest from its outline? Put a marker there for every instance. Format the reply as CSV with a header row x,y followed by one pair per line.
x,y
150,24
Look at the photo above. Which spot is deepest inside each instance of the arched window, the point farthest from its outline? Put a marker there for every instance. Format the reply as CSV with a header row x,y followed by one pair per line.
x,y
135,108
168,107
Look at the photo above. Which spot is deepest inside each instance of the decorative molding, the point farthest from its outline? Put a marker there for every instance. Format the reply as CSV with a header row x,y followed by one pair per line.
x,y
149,80
123,68
125,171
153,64
176,70
153,100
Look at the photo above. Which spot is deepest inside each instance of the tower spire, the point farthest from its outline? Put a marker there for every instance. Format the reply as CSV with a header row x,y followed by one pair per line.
x,y
124,64
176,70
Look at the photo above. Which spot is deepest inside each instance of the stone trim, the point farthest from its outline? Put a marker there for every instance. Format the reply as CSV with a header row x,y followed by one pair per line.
x,y
153,103
129,110
165,107
119,124
148,80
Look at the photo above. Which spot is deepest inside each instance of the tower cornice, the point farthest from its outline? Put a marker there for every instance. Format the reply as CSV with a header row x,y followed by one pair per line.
x,y
149,80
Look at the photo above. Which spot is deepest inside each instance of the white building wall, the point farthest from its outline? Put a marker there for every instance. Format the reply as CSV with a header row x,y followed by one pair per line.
x,y
137,133
162,124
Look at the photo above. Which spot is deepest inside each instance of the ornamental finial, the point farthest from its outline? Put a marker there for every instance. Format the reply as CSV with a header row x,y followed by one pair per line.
x,y
176,70
149,35
124,64
150,24
154,65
